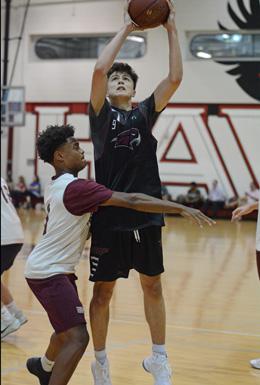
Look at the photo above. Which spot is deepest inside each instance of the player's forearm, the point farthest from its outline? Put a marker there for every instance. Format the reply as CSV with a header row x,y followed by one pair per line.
x,y
146,203
253,206
244,210
175,58
108,55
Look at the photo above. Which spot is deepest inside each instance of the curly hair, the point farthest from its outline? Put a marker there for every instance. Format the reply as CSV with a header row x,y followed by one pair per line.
x,y
52,138
123,67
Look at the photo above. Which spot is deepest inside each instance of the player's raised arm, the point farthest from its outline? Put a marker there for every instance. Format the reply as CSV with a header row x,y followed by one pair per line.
x,y
169,85
147,203
106,60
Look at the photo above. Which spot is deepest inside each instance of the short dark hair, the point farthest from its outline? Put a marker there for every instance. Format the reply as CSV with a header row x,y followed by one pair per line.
x,y
52,138
123,67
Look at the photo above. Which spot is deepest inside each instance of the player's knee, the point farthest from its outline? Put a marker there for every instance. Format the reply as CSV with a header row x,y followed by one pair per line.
x,y
82,337
78,337
102,295
152,288
102,298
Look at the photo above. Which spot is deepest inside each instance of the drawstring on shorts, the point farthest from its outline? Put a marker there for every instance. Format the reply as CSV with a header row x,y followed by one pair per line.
x,y
137,236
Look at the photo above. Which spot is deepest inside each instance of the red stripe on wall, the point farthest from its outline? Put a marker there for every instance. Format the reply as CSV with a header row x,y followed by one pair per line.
x,y
240,146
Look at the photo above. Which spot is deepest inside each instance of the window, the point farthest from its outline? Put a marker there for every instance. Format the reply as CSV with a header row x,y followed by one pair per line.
x,y
86,47
226,45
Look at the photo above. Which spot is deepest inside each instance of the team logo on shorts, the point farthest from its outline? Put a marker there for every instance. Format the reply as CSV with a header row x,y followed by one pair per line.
x,y
129,139
80,309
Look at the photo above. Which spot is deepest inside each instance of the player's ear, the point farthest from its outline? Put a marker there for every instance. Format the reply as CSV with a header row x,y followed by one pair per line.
x,y
134,92
58,156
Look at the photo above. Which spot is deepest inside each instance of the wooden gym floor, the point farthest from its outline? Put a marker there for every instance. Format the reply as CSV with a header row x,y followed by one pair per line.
x,y
212,296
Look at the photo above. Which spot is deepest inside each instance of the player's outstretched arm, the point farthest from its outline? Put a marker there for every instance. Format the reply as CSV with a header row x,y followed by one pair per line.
x,y
147,203
169,85
243,210
105,62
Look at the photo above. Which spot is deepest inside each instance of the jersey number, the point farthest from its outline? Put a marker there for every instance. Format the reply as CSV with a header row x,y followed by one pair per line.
x,y
46,220
6,195
114,124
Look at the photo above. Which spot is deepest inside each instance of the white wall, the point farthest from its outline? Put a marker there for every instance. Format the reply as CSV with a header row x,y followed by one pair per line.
x,y
69,81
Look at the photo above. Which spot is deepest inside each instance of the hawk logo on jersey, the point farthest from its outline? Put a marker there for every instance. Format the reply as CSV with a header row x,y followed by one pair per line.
x,y
129,138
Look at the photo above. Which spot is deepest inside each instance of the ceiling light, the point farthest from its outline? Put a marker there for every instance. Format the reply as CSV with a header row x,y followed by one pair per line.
x,y
236,37
225,36
139,39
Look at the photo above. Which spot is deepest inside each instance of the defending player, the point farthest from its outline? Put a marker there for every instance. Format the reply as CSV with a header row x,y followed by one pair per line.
x,y
237,214
125,160
50,268
12,238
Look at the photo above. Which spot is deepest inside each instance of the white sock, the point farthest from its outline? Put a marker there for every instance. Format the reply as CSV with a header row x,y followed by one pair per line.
x,y
47,365
12,308
159,349
5,314
101,356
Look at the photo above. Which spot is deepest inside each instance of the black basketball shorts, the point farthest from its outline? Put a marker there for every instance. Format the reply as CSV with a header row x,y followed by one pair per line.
x,y
114,253
8,254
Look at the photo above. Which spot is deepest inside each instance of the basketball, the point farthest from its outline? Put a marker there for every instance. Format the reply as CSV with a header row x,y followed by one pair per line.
x,y
149,13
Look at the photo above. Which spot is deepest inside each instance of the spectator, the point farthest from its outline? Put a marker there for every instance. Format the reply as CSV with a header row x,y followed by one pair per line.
x,y
216,199
19,193
165,193
33,192
35,187
233,202
193,198
252,196
21,185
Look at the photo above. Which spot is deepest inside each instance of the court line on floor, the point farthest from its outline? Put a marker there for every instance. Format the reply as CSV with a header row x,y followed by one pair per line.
x,y
89,353
201,330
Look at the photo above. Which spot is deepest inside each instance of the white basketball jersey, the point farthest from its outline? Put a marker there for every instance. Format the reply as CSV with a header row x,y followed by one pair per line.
x,y
65,233
11,228
258,229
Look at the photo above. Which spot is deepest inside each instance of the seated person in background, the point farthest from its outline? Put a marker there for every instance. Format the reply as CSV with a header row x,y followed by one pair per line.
x,y
216,199
165,193
19,193
34,191
21,185
252,196
193,198
233,202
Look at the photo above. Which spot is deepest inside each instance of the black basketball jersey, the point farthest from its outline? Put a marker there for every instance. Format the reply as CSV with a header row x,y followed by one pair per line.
x,y
125,160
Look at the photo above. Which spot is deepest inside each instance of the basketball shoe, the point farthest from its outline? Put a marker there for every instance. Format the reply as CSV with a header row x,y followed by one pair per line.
x,y
21,317
101,373
255,363
35,367
158,365
9,323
